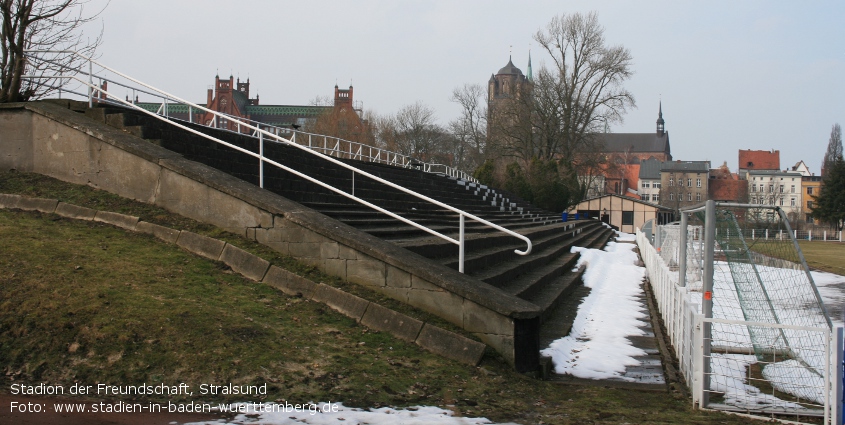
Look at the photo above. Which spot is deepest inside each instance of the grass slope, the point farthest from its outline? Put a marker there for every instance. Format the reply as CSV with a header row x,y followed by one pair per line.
x,y
86,302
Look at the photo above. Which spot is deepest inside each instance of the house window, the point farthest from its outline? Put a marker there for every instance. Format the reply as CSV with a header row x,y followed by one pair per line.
x,y
809,218
655,198
697,182
782,202
771,188
809,190
689,182
698,197
657,185
671,182
689,197
781,188
792,202
627,218
754,187
792,189
671,196
810,204
646,197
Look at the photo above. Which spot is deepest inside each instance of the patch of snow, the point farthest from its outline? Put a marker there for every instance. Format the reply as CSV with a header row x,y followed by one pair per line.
x,y
729,371
598,347
337,413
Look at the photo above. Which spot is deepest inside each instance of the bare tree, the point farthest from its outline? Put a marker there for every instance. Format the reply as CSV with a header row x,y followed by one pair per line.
x,y
412,131
469,130
584,85
834,148
41,25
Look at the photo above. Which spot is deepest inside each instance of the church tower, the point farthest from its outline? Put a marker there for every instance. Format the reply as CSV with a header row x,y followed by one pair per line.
x,y
505,83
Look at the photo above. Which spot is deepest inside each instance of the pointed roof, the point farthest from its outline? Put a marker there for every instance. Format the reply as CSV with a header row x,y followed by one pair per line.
x,y
530,72
510,69
660,114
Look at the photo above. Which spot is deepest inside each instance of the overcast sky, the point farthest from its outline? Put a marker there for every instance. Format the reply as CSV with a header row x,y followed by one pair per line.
x,y
731,75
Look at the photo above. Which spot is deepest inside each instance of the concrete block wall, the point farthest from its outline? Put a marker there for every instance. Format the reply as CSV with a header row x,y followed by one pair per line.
x,y
48,139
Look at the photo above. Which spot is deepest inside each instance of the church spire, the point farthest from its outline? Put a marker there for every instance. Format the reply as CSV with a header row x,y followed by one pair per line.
x,y
530,73
661,125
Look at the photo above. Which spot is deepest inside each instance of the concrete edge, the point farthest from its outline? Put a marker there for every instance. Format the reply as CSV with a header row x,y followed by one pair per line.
x,y
127,222
164,233
75,212
251,266
450,345
201,245
9,201
372,315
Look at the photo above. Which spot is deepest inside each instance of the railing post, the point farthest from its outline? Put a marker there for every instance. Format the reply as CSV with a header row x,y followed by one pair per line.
x,y
698,362
707,296
682,252
837,364
261,160
353,183
90,84
461,245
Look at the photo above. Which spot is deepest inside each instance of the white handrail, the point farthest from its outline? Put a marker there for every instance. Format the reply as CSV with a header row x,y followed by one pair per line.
x,y
95,92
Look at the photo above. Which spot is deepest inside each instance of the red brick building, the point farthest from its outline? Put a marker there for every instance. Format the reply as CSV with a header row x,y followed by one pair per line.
x,y
232,97
727,186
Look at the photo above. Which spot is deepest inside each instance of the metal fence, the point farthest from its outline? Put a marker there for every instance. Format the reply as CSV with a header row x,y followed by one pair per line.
x,y
796,374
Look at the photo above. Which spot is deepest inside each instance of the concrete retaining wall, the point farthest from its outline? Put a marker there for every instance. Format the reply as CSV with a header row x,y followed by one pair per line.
x,y
48,139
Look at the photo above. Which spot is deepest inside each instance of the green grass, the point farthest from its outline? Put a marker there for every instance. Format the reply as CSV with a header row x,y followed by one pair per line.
x,y
86,302
825,256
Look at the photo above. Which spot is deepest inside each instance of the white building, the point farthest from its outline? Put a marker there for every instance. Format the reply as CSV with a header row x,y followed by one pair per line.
x,y
778,188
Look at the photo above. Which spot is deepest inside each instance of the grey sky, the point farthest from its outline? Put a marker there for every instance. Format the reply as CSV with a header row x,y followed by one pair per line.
x,y
732,75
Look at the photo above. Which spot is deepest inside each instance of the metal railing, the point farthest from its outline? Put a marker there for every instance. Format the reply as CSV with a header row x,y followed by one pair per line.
x,y
96,94
331,145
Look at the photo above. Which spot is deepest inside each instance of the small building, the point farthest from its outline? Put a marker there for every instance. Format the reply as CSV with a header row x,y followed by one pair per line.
x,y
623,213
684,183
649,180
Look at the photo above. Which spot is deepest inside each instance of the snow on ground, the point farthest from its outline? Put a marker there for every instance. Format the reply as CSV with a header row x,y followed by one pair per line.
x,y
832,289
336,413
729,372
597,347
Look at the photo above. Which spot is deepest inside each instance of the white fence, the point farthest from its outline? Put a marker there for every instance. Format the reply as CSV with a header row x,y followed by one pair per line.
x,y
724,373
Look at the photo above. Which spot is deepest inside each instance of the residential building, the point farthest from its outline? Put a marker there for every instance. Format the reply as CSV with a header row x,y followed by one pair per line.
x,y
810,187
776,188
684,183
649,180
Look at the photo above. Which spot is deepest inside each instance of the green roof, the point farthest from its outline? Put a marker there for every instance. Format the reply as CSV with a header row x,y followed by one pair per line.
x,y
173,108
263,110
285,110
